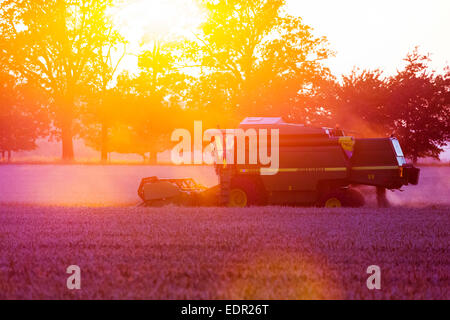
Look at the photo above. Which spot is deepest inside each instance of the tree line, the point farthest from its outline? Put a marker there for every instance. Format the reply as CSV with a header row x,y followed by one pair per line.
x,y
59,62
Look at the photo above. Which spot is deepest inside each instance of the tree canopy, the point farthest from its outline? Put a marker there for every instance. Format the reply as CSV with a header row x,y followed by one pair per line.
x,y
56,43
255,58
412,105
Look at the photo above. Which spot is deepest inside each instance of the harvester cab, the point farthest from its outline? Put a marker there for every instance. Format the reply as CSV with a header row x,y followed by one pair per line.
x,y
266,161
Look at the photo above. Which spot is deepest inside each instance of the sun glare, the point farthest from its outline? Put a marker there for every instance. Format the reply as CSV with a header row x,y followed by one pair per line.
x,y
142,20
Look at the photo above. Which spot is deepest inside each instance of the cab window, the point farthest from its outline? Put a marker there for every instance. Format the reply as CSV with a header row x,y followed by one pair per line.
x,y
399,152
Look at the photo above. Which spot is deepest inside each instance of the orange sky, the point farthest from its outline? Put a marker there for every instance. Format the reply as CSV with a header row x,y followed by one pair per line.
x,y
373,34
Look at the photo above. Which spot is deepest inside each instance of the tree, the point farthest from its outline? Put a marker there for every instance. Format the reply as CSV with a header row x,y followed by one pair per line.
x,y
413,105
159,90
143,110
260,57
56,43
419,106
102,98
360,104
23,116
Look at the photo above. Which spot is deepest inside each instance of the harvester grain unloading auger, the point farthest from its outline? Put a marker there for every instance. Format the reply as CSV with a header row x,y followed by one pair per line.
x,y
317,166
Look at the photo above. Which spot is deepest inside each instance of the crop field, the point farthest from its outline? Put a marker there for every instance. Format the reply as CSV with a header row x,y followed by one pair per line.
x,y
255,253
53,220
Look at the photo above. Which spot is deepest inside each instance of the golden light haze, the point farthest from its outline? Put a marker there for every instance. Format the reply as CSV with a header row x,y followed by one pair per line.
x,y
365,34
141,21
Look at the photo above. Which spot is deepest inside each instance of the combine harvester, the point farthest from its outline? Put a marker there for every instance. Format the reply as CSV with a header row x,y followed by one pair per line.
x,y
317,167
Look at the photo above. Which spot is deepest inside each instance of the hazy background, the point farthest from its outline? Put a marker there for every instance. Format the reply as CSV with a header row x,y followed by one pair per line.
x,y
79,185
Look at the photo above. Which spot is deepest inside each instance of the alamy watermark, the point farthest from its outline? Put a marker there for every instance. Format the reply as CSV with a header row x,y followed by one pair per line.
x,y
374,281
74,280
227,146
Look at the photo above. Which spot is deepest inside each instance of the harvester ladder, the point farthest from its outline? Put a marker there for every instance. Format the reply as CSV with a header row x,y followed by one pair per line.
x,y
225,185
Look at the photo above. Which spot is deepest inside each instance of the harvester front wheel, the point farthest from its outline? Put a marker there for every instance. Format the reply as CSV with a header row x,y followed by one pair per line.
x,y
246,192
238,198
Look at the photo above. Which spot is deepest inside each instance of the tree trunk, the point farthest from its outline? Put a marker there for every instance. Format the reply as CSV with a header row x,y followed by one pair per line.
x,y
104,146
153,157
66,106
144,158
67,96
9,155
67,141
67,135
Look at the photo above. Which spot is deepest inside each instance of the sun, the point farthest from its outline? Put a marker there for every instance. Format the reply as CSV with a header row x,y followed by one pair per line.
x,y
142,21
139,20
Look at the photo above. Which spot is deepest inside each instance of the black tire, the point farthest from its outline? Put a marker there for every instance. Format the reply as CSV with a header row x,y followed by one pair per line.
x,y
348,198
253,188
355,199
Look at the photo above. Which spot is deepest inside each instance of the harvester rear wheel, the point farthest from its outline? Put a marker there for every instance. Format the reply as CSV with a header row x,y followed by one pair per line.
x,y
354,198
342,198
333,202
